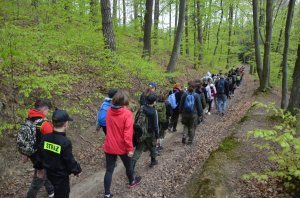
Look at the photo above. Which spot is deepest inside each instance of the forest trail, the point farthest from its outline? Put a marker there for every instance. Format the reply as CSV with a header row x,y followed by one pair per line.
x,y
177,163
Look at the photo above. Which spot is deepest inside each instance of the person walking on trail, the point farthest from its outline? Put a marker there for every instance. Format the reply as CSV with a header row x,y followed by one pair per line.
x,y
101,116
209,95
222,95
149,139
55,155
198,90
118,141
150,90
213,94
161,107
191,108
37,115
177,92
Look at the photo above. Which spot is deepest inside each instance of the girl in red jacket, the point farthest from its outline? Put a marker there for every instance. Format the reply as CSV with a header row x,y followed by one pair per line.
x,y
118,141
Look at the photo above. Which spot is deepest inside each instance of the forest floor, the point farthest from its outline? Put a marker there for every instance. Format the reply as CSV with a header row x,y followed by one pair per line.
x,y
179,167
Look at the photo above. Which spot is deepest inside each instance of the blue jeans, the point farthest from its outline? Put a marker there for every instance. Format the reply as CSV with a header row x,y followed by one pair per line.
x,y
221,103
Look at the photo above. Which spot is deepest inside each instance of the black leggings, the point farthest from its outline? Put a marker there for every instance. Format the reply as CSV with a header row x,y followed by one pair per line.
x,y
110,167
210,105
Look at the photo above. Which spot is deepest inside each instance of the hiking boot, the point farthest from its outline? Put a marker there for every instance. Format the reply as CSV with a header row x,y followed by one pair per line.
x,y
109,196
153,163
137,180
183,140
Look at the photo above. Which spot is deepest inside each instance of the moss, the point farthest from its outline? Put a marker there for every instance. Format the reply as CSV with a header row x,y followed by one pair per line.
x,y
229,144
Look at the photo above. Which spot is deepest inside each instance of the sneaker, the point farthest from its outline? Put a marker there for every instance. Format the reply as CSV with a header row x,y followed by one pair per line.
x,y
51,195
137,180
109,196
153,163
208,113
183,140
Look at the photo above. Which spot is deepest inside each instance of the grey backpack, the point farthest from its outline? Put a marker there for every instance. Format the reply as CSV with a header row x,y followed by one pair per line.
x,y
26,137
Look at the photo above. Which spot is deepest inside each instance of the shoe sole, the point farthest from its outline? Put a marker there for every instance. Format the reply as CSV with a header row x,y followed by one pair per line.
x,y
130,187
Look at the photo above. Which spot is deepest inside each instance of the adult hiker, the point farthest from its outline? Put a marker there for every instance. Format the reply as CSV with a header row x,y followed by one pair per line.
x,y
198,90
190,107
150,90
37,117
161,107
222,95
101,116
174,99
206,84
148,140
213,94
55,155
118,141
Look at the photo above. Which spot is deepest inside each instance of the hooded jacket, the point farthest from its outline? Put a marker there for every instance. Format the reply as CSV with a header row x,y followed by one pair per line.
x,y
151,113
119,131
46,127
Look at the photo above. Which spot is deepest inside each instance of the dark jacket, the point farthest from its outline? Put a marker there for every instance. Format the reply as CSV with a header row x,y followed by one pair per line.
x,y
55,155
197,107
202,97
226,90
143,100
151,113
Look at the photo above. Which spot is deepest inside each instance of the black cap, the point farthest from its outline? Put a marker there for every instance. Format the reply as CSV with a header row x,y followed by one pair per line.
x,y
112,92
151,98
60,116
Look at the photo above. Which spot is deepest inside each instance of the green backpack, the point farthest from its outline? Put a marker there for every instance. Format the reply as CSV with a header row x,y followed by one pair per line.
x,y
140,127
161,112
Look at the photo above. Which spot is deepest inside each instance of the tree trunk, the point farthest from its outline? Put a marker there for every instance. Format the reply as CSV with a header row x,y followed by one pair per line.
x,y
261,21
115,5
176,15
124,13
199,29
107,27
195,34
230,20
218,32
147,29
170,23
156,21
267,48
259,66
177,40
294,102
187,47
289,18
135,9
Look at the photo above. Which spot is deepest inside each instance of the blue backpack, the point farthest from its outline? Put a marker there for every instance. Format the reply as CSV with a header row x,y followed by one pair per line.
x,y
172,100
189,103
102,112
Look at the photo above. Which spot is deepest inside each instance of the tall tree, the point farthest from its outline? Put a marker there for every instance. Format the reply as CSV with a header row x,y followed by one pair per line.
x,y
199,30
176,15
267,47
187,45
156,21
147,29
124,13
195,33
218,31
135,9
173,60
230,20
294,102
259,66
107,27
115,7
289,18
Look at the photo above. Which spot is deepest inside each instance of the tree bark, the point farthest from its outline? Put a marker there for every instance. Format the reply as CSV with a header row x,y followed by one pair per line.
x,y
107,27
199,29
218,32
135,9
187,47
294,102
170,23
289,18
176,15
259,66
124,13
173,60
156,21
147,29
230,20
267,47
195,33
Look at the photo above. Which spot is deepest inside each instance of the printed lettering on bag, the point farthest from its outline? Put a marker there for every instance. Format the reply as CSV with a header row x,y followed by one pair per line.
x,y
52,147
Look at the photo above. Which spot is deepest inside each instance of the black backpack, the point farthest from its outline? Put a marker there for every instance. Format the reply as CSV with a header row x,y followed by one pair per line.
x,y
220,87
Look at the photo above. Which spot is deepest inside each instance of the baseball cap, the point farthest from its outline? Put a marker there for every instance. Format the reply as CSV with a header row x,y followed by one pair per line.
x,y
152,84
60,116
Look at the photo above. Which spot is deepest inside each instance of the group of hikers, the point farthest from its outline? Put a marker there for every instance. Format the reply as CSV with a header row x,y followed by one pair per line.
x,y
127,136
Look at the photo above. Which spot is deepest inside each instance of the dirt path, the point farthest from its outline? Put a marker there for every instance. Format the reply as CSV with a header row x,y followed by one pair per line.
x,y
178,162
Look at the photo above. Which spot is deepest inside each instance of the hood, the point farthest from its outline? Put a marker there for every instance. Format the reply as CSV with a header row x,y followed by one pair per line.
x,y
148,110
34,113
108,99
118,110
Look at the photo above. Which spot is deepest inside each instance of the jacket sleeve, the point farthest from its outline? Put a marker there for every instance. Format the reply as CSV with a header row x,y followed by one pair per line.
x,y
46,128
72,165
155,125
142,99
38,164
182,102
198,105
128,133
227,88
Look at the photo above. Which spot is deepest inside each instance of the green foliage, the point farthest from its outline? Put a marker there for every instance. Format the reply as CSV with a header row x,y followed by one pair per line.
x,y
282,144
5,127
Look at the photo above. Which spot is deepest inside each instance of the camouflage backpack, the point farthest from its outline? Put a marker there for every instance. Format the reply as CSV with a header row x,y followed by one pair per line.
x,y
27,136
161,111
140,126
